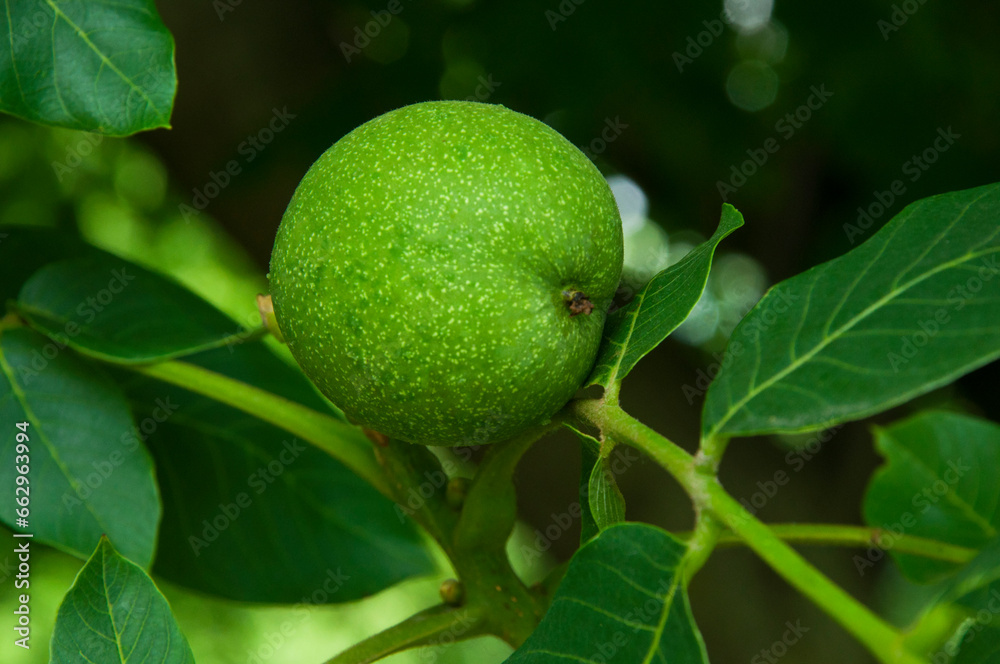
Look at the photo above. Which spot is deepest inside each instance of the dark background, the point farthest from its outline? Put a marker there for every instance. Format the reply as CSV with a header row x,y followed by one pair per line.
x,y
615,62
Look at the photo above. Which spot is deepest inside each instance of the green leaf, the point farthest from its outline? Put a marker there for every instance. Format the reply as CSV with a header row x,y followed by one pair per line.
x,y
912,309
262,516
941,480
116,311
89,474
658,309
980,644
976,589
95,65
590,449
607,505
115,613
24,249
622,601
977,585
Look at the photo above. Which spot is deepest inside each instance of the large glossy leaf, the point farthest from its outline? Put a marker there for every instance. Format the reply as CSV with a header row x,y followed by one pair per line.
x,y
659,308
622,601
915,307
87,64
941,480
89,475
24,249
114,310
114,614
262,516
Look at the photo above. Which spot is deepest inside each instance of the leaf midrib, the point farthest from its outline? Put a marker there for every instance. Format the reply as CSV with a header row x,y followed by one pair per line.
x,y
56,458
828,339
104,59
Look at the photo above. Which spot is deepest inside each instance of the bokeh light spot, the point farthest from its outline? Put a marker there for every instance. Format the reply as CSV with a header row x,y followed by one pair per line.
x,y
752,85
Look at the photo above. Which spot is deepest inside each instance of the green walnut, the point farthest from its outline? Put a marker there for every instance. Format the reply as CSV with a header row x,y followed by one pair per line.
x,y
442,272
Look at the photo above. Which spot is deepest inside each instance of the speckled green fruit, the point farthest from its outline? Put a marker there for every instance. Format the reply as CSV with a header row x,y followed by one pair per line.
x,y
424,272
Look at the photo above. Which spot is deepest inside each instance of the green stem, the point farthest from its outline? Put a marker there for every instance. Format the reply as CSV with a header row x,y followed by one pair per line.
x,y
710,454
877,635
420,489
490,507
343,441
706,492
700,544
421,629
480,542
859,536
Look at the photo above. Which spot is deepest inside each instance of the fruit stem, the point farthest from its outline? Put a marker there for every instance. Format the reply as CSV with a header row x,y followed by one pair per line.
x,y
707,494
480,541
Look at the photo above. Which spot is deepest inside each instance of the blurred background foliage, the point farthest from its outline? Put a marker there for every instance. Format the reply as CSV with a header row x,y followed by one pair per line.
x,y
669,99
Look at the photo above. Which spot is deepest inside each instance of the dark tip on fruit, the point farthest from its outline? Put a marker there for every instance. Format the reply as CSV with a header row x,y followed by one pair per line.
x,y
578,303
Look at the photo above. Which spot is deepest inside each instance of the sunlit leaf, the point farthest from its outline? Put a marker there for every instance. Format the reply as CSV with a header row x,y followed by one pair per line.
x,y
114,614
